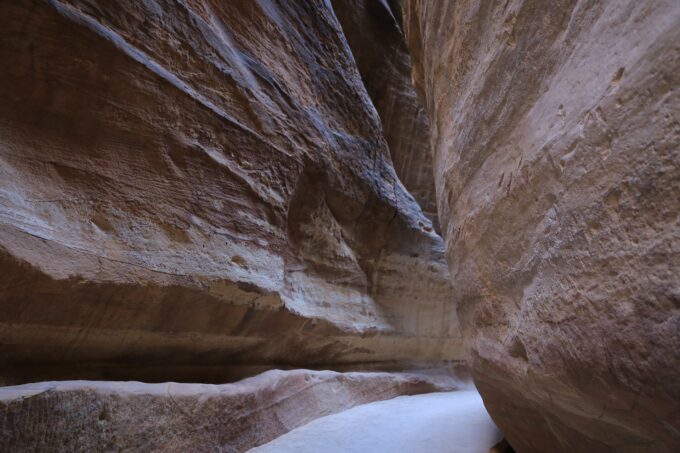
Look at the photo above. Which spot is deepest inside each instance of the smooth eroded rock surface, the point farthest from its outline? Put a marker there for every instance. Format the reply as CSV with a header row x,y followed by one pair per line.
x,y
196,184
89,416
556,141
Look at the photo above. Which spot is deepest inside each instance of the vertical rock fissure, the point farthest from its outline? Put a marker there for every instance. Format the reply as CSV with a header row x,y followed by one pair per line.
x,y
373,30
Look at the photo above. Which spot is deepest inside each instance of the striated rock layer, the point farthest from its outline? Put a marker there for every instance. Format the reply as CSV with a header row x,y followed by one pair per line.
x,y
556,147
89,416
196,184
374,33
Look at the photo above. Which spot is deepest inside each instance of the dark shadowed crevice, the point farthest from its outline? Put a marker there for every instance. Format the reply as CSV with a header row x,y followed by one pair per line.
x,y
373,30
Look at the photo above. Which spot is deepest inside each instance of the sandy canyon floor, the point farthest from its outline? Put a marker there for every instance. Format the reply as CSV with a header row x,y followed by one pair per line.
x,y
435,422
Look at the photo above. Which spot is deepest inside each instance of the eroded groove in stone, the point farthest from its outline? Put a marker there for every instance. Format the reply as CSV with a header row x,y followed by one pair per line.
x,y
87,416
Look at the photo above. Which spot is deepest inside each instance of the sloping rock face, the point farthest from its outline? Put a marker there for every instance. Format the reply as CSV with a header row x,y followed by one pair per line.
x,y
89,416
374,32
202,183
556,147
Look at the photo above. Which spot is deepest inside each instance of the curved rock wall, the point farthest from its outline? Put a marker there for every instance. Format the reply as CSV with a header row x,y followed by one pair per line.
x,y
194,184
556,143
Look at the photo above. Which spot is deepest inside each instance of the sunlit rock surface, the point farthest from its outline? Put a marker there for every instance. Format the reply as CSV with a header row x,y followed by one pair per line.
x,y
188,187
556,147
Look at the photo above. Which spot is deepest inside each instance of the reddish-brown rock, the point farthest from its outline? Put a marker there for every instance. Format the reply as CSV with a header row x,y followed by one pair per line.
x,y
192,186
92,416
556,148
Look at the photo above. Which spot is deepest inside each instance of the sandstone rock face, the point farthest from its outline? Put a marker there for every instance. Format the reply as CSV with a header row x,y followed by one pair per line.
x,y
197,184
89,416
374,32
556,147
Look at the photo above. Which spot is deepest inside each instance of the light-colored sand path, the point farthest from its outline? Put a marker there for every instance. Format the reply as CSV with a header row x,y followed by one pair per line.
x,y
452,422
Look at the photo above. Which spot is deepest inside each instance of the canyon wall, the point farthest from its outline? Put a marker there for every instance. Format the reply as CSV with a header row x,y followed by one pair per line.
x,y
194,190
556,147
374,33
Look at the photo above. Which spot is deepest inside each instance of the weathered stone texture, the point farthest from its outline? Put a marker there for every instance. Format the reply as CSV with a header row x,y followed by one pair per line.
x,y
556,145
92,416
200,184
374,32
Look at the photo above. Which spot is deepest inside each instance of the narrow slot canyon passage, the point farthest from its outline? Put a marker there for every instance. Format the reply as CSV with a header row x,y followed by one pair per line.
x,y
340,226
